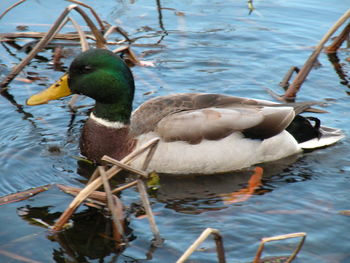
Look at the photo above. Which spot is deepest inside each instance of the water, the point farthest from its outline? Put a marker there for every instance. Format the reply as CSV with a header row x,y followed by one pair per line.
x,y
212,46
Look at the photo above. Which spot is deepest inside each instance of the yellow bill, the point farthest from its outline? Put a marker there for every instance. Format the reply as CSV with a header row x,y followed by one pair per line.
x,y
58,90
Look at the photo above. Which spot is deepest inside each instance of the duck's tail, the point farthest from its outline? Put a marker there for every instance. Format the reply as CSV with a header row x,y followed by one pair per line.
x,y
328,136
312,136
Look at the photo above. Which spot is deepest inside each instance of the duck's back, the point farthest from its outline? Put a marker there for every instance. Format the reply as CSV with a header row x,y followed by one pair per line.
x,y
208,108
210,133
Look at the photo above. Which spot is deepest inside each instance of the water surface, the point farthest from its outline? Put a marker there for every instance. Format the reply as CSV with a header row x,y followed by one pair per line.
x,y
197,46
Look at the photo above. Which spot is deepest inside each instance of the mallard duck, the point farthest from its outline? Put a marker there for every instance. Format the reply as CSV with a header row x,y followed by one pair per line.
x,y
199,133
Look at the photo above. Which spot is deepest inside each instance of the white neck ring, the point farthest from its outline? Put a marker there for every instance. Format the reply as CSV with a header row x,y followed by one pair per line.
x,y
106,123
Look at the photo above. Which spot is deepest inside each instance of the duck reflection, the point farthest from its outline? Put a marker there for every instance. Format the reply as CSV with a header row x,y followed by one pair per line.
x,y
202,193
88,238
195,194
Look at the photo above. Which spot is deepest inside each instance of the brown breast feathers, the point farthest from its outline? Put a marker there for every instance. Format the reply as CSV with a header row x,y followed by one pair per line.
x,y
98,140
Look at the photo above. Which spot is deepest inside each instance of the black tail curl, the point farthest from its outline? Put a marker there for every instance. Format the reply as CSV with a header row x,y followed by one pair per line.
x,y
302,129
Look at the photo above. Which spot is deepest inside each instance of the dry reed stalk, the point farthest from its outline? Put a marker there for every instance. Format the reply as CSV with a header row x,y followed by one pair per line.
x,y
60,36
82,35
123,187
99,21
338,41
118,230
158,241
120,49
281,237
11,198
141,45
38,47
218,242
10,8
149,156
96,184
124,166
285,81
293,89
109,31
94,175
100,41
132,56
96,195
84,47
120,31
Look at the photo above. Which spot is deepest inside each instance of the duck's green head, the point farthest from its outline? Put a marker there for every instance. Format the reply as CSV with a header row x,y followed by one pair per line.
x,y
100,75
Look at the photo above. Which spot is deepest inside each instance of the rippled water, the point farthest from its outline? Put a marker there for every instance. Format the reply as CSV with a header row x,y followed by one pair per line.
x,y
211,46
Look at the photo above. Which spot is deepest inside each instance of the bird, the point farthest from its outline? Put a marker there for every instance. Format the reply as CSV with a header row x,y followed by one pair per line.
x,y
199,133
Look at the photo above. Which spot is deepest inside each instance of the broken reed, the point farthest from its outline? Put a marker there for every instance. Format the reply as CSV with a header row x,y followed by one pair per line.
x,y
55,28
257,259
106,175
293,88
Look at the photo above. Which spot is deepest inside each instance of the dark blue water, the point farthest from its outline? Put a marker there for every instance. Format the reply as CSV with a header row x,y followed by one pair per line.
x,y
197,46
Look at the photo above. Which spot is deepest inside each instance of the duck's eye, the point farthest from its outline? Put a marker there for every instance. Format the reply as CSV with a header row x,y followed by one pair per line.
x,y
86,69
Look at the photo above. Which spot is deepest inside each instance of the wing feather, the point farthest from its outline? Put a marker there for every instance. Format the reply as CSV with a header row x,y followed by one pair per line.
x,y
216,123
192,117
